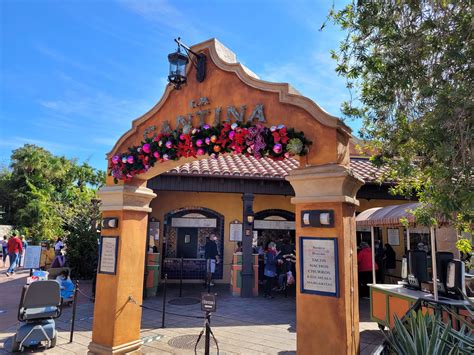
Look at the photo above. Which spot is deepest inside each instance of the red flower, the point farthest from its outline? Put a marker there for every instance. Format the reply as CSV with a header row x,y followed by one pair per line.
x,y
280,136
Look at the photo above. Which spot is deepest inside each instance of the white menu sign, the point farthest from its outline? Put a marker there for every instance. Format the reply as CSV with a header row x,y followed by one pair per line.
x,y
235,232
108,255
32,257
319,266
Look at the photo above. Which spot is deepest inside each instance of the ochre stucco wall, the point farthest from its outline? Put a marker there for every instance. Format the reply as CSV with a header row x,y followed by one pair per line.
x,y
229,205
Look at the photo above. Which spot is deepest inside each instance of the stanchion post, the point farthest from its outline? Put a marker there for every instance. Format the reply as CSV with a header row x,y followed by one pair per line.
x,y
73,320
181,279
208,334
164,302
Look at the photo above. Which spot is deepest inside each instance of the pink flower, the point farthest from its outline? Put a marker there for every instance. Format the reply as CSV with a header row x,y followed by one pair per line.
x,y
277,148
156,155
165,157
200,151
199,142
130,159
182,137
287,155
231,135
169,144
115,159
146,148
208,141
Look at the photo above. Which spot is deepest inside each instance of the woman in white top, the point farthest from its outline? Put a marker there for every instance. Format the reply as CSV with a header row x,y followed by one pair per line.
x,y
58,246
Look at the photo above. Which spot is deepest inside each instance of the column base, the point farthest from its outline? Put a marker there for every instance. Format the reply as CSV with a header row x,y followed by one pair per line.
x,y
133,347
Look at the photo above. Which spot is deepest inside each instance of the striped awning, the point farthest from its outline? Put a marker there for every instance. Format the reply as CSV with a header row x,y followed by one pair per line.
x,y
389,216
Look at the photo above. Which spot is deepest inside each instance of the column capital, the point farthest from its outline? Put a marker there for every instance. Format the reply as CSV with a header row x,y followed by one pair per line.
x,y
325,183
126,197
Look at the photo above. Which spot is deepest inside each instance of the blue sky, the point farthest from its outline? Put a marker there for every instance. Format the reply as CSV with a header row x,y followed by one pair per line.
x,y
74,74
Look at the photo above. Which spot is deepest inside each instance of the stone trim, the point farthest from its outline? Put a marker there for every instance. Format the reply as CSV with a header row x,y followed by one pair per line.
x,y
325,183
226,60
134,347
126,197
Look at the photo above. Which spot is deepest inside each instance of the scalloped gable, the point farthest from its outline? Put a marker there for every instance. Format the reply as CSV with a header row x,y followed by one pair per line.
x,y
291,102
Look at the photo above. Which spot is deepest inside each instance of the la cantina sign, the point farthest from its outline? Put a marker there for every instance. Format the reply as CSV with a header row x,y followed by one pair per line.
x,y
236,134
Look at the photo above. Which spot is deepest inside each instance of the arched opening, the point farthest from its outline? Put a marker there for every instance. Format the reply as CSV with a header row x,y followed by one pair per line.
x,y
185,232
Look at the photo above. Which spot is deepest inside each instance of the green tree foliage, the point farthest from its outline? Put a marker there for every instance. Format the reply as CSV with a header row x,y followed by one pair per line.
x,y
47,196
408,65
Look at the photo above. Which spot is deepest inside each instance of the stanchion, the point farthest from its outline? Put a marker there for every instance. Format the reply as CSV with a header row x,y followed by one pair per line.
x,y
181,279
74,311
207,344
164,302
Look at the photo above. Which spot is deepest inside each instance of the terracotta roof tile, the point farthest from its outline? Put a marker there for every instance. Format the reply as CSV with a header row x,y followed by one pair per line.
x,y
241,166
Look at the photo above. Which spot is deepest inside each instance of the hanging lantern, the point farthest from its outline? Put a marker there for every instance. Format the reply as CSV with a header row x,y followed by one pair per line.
x,y
178,62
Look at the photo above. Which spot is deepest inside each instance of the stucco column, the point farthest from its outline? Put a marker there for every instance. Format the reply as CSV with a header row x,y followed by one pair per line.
x,y
116,326
328,324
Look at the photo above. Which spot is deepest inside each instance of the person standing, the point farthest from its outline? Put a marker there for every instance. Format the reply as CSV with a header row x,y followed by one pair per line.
x,y
270,270
4,250
58,246
211,253
21,256
15,247
365,267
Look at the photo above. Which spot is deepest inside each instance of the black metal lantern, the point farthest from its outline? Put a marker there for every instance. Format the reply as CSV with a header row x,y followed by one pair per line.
x,y
178,62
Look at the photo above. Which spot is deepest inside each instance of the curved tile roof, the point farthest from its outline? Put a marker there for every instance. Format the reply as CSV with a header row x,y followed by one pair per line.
x,y
230,165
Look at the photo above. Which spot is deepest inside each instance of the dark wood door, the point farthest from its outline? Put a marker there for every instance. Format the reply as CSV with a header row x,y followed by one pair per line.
x,y
187,243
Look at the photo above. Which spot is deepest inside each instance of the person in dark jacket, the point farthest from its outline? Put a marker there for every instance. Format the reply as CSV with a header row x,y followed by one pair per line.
x,y
390,258
270,270
211,253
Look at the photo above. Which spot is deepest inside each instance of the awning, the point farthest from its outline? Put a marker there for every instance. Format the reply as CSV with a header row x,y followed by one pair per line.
x,y
389,216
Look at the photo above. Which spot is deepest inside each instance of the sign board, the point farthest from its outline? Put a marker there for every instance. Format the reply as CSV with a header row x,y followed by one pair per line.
x,y
208,302
32,257
154,230
108,255
194,222
269,224
319,266
393,236
235,232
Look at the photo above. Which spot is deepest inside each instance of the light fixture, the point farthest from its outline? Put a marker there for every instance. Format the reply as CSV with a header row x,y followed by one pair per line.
x,y
250,218
110,223
178,61
317,218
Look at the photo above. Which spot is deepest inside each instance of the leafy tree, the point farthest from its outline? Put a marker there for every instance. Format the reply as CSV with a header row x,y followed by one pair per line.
x,y
49,196
408,65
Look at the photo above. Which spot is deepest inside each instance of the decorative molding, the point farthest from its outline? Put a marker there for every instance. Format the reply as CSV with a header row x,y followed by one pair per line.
x,y
126,197
226,60
133,347
325,183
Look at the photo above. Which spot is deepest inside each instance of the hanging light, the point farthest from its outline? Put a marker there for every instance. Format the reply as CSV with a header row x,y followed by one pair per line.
x,y
177,74
178,61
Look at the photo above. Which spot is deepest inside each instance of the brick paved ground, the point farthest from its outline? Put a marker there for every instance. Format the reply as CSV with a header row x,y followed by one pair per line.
x,y
241,326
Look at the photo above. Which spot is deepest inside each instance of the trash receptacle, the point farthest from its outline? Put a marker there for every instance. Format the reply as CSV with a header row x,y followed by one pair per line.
x,y
153,273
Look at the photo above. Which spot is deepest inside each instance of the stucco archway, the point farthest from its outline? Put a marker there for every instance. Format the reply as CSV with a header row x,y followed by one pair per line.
x,y
233,92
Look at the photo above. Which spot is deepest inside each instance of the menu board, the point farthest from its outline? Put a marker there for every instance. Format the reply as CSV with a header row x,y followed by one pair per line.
x,y
393,236
319,266
235,232
108,255
32,257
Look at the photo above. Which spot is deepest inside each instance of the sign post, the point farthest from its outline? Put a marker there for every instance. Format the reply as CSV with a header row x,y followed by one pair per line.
x,y
208,305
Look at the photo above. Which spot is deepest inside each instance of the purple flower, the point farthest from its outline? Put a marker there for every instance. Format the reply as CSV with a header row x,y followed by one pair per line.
x,y
130,159
169,144
277,148
208,141
206,126
115,159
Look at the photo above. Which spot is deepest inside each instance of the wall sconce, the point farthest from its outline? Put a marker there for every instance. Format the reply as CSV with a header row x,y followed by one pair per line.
x,y
250,218
178,61
317,218
109,223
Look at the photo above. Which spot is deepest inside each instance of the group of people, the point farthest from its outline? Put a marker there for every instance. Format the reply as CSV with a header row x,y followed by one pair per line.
x,y
13,247
279,266
384,261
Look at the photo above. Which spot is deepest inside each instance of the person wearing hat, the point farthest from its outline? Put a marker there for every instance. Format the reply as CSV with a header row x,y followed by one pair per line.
x,y
15,248
365,267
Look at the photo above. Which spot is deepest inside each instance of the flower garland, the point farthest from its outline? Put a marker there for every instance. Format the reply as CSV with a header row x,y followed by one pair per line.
x,y
276,142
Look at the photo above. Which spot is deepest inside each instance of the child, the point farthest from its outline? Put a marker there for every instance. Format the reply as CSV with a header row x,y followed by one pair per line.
x,y
67,287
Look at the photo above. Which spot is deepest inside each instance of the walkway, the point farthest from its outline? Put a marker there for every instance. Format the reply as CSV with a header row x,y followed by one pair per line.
x,y
241,326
